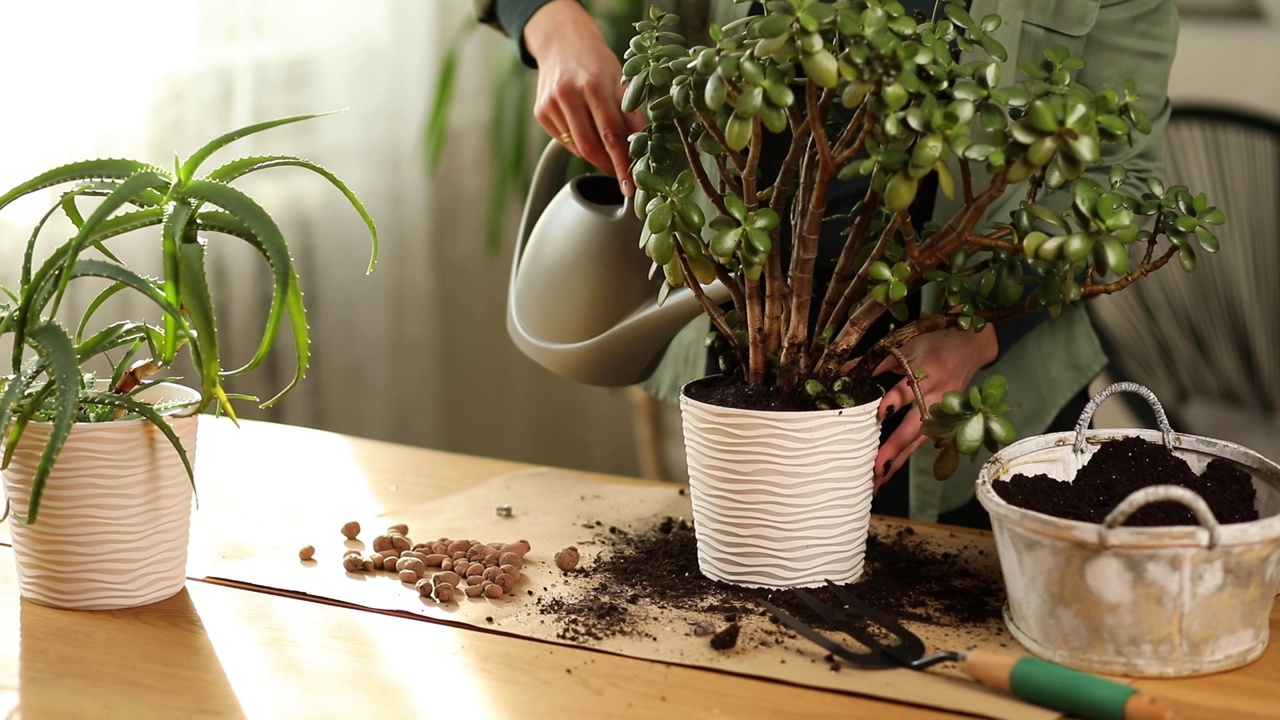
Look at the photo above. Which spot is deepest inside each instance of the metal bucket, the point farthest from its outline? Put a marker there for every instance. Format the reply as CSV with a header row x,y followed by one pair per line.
x,y
1139,601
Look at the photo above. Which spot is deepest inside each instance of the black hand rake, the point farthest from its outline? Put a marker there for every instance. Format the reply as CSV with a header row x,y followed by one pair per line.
x,y
1036,681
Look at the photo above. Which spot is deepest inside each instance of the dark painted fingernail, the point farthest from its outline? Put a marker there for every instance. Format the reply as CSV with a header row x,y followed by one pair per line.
x,y
888,464
889,410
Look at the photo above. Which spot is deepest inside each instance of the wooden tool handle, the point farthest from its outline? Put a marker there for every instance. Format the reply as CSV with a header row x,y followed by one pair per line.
x,y
1060,688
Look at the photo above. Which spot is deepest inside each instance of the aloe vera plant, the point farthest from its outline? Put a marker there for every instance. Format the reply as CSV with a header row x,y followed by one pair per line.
x,y
48,381
860,89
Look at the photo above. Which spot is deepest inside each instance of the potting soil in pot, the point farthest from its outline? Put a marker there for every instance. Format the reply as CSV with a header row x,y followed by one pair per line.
x,y
1118,468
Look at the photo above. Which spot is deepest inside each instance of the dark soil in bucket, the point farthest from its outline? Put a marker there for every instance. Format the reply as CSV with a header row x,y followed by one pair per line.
x,y
1120,467
904,577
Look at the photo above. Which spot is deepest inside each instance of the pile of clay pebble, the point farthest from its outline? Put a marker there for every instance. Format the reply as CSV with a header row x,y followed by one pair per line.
x,y
441,569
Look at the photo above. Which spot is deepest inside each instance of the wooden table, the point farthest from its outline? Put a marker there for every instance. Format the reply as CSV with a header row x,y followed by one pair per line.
x,y
217,651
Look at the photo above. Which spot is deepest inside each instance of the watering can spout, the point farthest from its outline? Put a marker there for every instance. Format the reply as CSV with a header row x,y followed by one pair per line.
x,y
580,302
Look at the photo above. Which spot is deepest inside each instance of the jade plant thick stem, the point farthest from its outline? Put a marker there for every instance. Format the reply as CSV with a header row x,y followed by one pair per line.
x,y
858,88
186,211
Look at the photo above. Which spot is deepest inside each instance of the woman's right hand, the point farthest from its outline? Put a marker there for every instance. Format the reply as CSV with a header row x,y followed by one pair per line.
x,y
579,100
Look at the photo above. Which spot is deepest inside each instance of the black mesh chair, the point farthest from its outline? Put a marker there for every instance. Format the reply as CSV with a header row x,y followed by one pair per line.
x,y
1208,342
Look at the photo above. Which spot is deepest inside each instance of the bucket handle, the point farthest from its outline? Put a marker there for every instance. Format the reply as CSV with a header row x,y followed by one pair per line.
x,y
1086,415
1139,499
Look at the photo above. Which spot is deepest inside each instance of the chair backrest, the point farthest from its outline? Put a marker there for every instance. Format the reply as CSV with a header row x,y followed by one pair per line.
x,y
1213,333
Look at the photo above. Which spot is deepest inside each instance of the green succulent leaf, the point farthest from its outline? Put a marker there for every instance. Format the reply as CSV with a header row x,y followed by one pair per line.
x,y
969,435
946,462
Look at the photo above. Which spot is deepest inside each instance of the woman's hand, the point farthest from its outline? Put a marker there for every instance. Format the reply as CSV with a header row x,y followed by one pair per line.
x,y
948,360
579,98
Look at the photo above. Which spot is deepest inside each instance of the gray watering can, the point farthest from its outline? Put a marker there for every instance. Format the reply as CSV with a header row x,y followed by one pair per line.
x,y
580,302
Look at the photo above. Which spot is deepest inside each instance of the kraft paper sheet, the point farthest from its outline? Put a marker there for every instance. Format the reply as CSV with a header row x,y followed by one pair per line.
x,y
556,508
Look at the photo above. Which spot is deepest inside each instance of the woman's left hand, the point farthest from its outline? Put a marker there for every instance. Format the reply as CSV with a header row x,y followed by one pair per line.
x,y
945,360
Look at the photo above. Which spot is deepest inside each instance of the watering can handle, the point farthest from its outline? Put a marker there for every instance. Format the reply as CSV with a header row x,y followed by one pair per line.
x,y
1086,415
1162,493
548,178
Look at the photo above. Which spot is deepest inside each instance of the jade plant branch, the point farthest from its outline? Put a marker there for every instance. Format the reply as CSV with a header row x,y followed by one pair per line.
x,y
856,90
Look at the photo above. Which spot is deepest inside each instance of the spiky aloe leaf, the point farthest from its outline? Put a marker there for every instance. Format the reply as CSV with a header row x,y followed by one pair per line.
x,y
31,404
15,386
29,253
187,170
126,278
105,169
125,223
223,222
122,196
125,332
49,282
239,168
103,188
259,225
174,233
55,347
147,412
198,303
94,306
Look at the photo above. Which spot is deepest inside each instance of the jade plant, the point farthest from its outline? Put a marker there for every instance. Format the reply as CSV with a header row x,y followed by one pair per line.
x,y
859,88
52,376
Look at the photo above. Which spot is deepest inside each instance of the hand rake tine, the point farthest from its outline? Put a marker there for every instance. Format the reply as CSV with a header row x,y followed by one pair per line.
x,y
869,659
857,632
910,643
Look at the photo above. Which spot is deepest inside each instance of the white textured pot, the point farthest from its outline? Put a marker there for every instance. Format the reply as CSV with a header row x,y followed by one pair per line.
x,y
113,524
780,499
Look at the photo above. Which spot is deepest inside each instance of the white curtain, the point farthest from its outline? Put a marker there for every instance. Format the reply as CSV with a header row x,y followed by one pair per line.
x,y
416,352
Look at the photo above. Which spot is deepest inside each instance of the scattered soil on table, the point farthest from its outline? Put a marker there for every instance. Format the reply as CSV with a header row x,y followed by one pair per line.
x,y
1120,467
904,577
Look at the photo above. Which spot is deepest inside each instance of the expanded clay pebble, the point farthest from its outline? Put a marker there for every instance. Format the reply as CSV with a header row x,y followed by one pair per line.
x,y
449,577
351,530
567,559
519,547
413,565
307,552
477,569
444,593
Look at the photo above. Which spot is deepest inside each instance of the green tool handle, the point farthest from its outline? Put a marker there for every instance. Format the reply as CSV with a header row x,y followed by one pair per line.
x,y
1059,688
